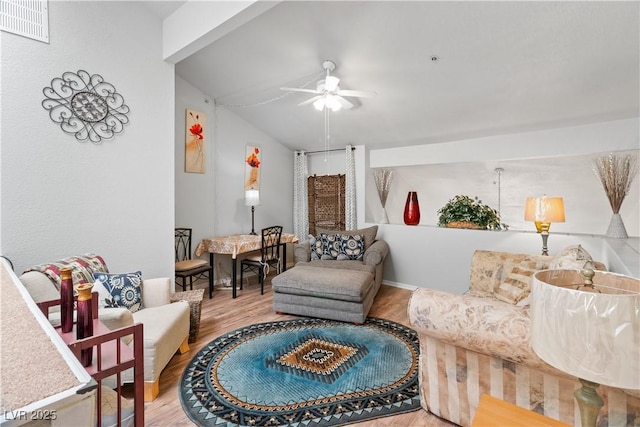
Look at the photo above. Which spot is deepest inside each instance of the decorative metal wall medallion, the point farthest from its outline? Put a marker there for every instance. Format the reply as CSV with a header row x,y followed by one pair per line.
x,y
86,106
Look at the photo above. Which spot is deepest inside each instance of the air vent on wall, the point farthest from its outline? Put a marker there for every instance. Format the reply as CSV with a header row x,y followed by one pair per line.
x,y
29,18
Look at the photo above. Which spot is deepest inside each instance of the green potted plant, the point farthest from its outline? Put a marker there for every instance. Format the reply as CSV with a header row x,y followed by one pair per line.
x,y
465,212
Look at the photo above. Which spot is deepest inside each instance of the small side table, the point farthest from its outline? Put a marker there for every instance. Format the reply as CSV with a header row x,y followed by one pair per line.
x,y
194,298
493,412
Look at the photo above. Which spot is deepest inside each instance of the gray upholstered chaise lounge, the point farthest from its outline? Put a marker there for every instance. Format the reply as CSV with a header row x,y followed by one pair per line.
x,y
334,289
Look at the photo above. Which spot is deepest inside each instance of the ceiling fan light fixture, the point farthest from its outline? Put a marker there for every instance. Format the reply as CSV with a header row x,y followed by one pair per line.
x,y
327,101
332,103
328,93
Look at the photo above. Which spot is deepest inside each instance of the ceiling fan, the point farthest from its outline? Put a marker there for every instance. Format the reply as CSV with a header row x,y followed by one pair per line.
x,y
328,93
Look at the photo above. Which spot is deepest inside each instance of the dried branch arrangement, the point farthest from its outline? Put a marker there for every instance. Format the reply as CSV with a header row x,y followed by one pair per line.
x,y
616,174
383,182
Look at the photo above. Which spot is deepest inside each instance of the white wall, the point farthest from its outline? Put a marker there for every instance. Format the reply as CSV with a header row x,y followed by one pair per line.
x,y
615,135
61,197
231,134
195,206
439,258
563,167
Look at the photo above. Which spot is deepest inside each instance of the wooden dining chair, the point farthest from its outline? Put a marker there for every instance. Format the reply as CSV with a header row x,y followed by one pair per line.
x,y
269,255
187,267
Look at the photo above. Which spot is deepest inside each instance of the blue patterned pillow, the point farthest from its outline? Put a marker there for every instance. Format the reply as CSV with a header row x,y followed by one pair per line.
x,y
330,246
351,247
315,244
125,289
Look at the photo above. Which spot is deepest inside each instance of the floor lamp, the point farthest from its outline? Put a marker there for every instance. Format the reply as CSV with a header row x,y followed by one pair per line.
x,y
252,198
587,324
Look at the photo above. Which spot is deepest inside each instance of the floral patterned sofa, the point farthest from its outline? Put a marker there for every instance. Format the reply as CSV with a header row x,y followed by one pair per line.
x,y
479,343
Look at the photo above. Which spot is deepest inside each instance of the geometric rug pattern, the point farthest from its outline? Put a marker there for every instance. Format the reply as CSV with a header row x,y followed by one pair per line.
x,y
321,359
303,372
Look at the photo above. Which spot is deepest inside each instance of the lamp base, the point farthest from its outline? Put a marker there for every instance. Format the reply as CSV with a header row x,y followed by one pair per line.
x,y
545,238
253,231
589,402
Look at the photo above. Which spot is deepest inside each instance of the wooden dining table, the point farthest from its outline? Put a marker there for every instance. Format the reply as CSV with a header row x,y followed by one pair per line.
x,y
236,244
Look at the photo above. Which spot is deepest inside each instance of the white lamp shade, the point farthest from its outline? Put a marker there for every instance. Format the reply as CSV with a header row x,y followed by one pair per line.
x,y
252,197
544,209
593,336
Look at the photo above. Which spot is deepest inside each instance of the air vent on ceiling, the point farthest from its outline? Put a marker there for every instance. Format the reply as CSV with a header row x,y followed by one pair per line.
x,y
29,18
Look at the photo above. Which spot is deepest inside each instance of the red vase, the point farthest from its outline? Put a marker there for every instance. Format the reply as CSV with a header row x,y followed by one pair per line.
x,y
412,209
66,299
84,327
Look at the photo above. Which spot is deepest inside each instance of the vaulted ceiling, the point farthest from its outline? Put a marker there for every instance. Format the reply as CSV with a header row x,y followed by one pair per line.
x,y
442,71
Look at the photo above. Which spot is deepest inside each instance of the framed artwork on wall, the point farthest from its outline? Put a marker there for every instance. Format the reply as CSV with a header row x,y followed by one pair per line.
x,y
194,149
252,168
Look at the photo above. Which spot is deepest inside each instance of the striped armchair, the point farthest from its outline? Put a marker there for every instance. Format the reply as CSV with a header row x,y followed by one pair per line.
x,y
479,343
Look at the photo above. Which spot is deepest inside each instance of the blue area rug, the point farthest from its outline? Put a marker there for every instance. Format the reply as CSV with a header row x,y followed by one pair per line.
x,y
306,372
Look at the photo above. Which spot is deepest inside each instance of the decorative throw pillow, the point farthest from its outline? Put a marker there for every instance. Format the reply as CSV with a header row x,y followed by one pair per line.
x,y
330,246
315,245
104,297
351,247
369,234
125,289
571,258
516,285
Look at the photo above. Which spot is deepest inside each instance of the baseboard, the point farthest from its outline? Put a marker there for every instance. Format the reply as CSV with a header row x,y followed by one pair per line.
x,y
399,285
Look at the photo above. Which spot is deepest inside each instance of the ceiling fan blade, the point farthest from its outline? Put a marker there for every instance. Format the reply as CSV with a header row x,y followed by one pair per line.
x,y
310,100
356,93
345,104
331,83
297,89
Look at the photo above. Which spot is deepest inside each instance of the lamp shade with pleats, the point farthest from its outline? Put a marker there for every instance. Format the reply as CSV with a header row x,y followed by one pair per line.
x,y
589,333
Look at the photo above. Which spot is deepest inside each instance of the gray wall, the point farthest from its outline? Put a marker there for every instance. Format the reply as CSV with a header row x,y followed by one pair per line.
x,y
60,197
557,162
195,193
213,203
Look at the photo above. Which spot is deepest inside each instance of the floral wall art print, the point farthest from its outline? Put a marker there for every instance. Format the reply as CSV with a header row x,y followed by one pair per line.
x,y
194,154
252,168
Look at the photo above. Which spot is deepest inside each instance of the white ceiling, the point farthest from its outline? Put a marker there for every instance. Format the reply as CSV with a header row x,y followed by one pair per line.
x,y
503,67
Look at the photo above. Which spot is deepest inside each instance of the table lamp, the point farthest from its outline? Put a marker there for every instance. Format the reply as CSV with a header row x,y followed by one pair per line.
x,y
252,198
587,324
544,210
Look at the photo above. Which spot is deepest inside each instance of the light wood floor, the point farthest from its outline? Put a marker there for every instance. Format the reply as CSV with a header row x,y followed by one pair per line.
x,y
223,314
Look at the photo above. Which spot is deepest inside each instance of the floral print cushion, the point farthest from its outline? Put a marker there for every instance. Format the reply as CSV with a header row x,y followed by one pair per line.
x,y
487,270
516,286
571,258
505,276
484,325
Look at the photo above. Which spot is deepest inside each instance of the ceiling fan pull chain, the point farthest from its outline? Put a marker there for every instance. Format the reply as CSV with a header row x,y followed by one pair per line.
x,y
326,134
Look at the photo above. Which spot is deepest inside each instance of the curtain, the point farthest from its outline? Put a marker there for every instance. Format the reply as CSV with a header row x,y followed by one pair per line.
x,y
350,219
300,206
